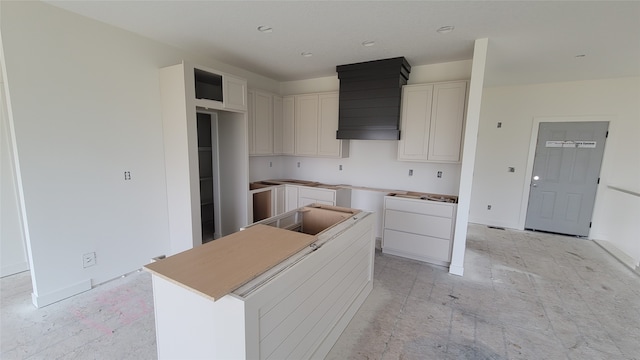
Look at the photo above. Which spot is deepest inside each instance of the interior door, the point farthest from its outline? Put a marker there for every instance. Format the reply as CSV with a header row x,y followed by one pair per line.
x,y
565,176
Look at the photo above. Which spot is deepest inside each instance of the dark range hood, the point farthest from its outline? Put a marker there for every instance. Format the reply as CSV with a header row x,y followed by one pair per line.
x,y
370,98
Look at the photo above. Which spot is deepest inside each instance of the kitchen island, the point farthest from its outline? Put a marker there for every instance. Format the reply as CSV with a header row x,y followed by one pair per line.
x,y
285,287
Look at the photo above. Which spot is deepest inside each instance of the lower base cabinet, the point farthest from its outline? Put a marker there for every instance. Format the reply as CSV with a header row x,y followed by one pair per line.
x,y
419,229
296,311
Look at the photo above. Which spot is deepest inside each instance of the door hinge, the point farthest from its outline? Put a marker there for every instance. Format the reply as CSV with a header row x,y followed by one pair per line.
x,y
606,135
598,181
590,224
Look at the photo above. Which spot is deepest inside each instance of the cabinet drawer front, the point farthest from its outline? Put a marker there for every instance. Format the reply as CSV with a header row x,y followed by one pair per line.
x,y
420,207
307,201
418,224
318,194
418,245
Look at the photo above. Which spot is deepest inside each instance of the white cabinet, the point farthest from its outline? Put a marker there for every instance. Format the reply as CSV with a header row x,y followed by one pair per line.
x,y
328,145
288,126
214,90
419,229
316,124
279,200
234,90
261,123
432,122
290,197
278,125
336,197
306,125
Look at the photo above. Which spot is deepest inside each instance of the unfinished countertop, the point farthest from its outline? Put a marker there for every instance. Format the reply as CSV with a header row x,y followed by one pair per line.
x,y
391,192
221,266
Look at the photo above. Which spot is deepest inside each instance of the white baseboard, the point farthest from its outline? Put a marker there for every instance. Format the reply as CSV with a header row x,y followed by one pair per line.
x,y
14,269
619,255
48,299
456,270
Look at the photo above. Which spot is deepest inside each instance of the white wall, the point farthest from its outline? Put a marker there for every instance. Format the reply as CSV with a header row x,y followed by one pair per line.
x,y
85,101
499,148
13,254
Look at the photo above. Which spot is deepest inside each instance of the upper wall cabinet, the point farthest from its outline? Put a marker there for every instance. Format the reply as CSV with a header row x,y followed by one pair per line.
x,y
216,90
269,127
260,123
288,126
316,124
432,122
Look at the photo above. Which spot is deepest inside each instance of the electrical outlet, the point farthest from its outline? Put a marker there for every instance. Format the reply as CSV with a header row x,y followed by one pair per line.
x,y
88,259
127,175
499,125
488,207
340,167
298,163
439,174
410,172
511,169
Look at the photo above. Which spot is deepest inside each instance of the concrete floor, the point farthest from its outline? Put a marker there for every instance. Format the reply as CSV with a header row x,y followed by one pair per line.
x,y
524,296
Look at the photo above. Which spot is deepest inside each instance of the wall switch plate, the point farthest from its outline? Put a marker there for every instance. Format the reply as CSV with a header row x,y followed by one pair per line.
x,y
270,163
340,167
88,259
511,169
298,163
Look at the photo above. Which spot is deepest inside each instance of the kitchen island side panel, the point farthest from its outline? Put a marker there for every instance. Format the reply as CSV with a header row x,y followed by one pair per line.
x,y
191,326
301,310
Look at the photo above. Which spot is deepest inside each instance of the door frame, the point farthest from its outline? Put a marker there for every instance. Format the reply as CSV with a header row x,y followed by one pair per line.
x,y
535,127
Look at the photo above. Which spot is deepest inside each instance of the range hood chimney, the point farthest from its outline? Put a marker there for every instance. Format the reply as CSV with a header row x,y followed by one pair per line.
x,y
370,98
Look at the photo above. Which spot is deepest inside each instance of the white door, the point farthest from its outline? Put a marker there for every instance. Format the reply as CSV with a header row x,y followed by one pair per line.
x,y
565,176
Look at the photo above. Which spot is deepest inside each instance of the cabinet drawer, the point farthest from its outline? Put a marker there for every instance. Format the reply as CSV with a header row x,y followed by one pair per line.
x,y
318,194
420,207
416,246
418,224
307,201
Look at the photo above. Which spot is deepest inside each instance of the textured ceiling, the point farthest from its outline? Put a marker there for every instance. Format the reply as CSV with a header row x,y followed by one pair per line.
x,y
529,41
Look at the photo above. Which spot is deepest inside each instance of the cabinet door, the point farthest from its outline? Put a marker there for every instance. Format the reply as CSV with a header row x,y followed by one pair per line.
x,y
306,124
277,125
288,125
251,125
447,119
263,123
328,145
415,122
291,197
279,200
235,93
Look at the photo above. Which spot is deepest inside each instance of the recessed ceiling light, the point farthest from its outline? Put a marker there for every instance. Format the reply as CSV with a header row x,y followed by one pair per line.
x,y
445,29
265,29
580,56
368,43
306,54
